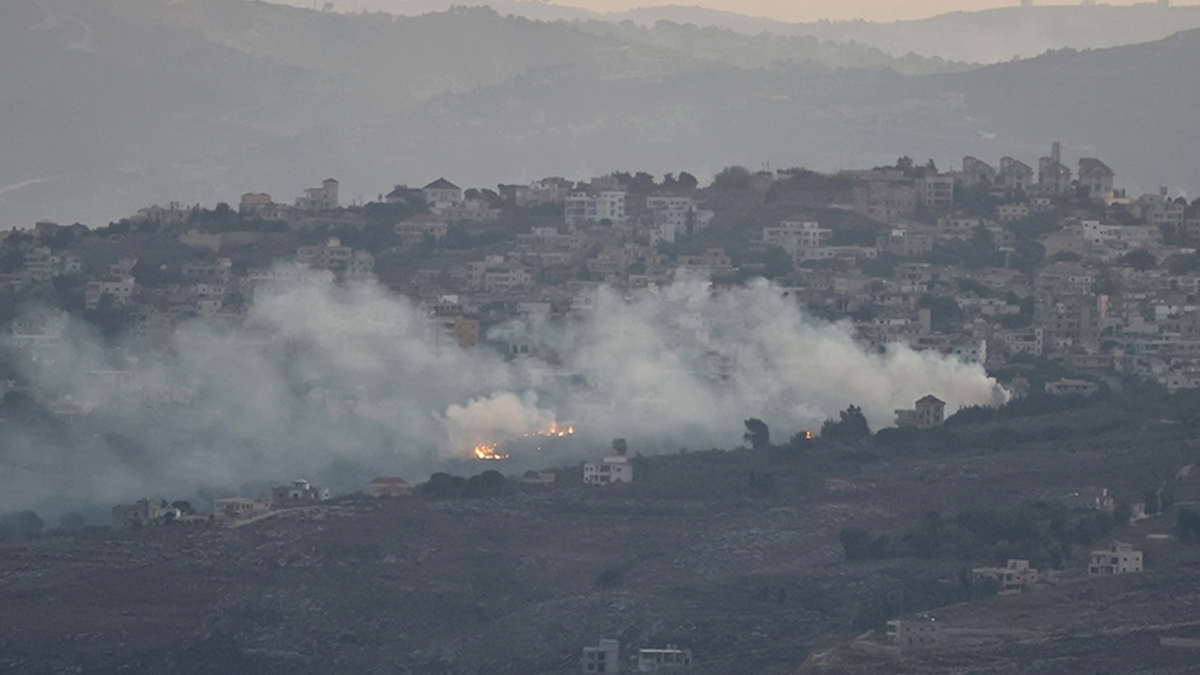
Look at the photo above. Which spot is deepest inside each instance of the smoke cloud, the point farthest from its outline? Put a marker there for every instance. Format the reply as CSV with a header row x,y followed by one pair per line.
x,y
340,383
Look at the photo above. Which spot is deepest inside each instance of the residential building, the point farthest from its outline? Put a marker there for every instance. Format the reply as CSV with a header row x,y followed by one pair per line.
x,y
1119,558
174,213
930,411
254,202
319,199
220,272
607,207
653,660
884,194
390,486
441,193
41,264
1015,177
611,469
1054,177
422,227
976,172
470,210
605,658
142,512
714,262
120,290
545,191
1071,387
909,240
240,508
677,216
334,257
797,234
1016,575
1011,212
299,493
1095,177
936,192
923,632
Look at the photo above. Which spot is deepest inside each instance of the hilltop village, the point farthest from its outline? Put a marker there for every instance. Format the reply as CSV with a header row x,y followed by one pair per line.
x,y
1059,528
997,263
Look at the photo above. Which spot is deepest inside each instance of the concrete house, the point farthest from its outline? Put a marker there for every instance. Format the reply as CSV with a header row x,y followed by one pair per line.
x,y
605,658
390,487
1016,575
1119,558
318,199
1054,177
611,469
923,632
1095,176
442,193
653,660
1014,176
930,411
299,493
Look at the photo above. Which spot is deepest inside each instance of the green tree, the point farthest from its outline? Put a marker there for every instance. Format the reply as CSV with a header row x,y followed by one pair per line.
x,y
1140,260
851,426
620,447
732,178
758,435
1187,526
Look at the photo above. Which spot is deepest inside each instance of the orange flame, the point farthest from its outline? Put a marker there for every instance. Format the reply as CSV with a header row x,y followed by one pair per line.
x,y
488,452
808,435
554,432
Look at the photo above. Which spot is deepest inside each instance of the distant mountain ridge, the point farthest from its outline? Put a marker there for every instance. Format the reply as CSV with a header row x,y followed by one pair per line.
x,y
987,36
111,105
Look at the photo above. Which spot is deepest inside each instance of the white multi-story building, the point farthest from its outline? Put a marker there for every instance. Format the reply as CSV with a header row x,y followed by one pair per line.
x,y
583,209
677,216
611,469
121,291
1117,559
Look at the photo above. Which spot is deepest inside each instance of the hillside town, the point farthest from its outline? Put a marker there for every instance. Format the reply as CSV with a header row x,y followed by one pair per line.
x,y
992,263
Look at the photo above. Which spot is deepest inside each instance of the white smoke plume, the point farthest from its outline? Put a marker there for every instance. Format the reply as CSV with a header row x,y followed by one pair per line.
x,y
341,383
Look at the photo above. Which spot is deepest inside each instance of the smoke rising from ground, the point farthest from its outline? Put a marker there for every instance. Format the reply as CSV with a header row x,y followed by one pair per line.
x,y
343,383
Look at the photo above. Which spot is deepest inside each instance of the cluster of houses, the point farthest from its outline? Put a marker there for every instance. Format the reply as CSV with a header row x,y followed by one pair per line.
x,y
237,510
1107,291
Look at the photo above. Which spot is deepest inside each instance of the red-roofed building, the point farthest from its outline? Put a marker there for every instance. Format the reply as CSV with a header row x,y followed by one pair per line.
x,y
389,487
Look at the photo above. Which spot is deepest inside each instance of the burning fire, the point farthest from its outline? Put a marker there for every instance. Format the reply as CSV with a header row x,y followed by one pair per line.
x,y
555,432
491,452
488,452
808,435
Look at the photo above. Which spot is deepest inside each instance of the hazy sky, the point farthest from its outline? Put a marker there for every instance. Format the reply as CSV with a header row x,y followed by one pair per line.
x,y
811,10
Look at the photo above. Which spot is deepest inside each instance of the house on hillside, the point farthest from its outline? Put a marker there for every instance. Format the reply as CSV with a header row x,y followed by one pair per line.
x,y
605,658
1071,387
318,199
1054,177
1017,575
1095,177
922,632
142,512
652,660
1120,558
441,193
929,411
299,493
390,487
611,469
1014,176
240,508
